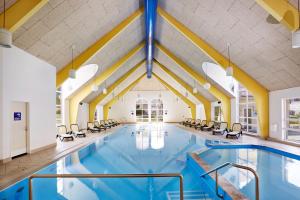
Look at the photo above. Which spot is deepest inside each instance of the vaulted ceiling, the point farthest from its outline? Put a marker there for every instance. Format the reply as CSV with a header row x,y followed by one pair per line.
x,y
261,49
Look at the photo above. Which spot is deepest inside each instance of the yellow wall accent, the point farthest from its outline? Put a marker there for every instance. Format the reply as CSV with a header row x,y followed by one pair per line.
x,y
206,103
87,89
63,74
100,97
108,105
283,11
260,93
20,12
183,98
226,104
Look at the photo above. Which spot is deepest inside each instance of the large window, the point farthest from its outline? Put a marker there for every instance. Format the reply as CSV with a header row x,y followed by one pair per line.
x,y
157,110
291,120
247,111
142,114
58,107
218,114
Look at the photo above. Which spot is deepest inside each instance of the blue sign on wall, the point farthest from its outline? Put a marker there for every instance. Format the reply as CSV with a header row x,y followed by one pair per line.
x,y
17,116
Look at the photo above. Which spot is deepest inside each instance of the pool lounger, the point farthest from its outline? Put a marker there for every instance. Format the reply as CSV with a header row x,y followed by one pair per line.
x,y
99,126
209,127
76,131
191,123
201,125
236,131
63,133
112,123
197,122
188,121
221,129
105,124
91,128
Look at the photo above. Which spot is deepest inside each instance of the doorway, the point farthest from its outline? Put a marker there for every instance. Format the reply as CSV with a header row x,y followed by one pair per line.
x,y
19,131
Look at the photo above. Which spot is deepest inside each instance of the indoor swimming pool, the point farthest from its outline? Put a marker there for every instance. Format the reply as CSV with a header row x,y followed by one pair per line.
x,y
132,149
155,149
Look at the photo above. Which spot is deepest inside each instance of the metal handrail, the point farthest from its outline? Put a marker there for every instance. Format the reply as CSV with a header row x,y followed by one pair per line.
x,y
105,176
237,166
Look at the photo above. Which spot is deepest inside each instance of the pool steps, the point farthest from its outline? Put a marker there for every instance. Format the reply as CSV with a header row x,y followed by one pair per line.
x,y
189,195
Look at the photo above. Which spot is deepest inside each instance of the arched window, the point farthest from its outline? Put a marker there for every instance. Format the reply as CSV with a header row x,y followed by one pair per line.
x,y
157,111
141,111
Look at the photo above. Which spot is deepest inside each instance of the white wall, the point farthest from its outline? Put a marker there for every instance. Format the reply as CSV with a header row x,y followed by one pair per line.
x,y
177,110
200,112
275,101
83,115
26,78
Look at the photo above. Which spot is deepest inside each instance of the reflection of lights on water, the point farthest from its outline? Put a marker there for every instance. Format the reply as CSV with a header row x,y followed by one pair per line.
x,y
142,140
157,140
155,137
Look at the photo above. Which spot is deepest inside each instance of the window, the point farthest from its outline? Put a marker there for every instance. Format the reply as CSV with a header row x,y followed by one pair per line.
x,y
157,112
58,107
291,120
142,114
218,115
247,111
96,115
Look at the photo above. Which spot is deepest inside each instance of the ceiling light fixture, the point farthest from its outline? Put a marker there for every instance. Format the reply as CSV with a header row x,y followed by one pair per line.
x,y
5,35
72,72
195,90
94,88
296,34
206,85
104,91
229,69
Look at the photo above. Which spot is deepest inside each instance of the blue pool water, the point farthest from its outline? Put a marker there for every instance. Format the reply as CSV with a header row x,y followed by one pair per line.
x,y
279,174
131,149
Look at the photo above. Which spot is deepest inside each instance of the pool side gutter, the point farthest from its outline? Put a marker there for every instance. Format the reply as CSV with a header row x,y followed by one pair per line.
x,y
230,191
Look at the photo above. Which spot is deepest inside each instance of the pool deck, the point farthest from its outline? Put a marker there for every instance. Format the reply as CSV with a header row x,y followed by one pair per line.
x,y
24,166
246,139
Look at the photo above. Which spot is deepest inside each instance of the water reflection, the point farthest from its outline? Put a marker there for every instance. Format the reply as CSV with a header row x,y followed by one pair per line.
x,y
154,135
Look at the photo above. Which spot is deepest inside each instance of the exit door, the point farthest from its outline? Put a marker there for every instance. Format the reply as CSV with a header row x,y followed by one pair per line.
x,y
18,128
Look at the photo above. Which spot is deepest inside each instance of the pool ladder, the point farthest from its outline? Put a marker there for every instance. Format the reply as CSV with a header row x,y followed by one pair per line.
x,y
107,176
237,166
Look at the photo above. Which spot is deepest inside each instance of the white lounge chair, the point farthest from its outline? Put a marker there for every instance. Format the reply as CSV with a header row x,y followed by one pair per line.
x,y
209,126
76,131
235,131
221,129
63,134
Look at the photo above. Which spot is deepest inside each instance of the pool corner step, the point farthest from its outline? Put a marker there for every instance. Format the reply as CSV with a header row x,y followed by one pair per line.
x,y
188,195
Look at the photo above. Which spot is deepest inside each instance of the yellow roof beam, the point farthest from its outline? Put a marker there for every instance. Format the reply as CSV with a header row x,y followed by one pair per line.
x,y
108,105
260,93
93,104
226,105
63,74
282,11
82,93
202,99
191,105
20,12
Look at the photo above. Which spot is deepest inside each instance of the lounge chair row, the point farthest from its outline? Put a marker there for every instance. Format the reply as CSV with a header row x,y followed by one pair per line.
x,y
75,131
215,127
97,126
64,134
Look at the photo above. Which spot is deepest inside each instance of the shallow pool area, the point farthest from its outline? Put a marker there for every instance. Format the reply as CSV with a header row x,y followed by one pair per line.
x,y
278,171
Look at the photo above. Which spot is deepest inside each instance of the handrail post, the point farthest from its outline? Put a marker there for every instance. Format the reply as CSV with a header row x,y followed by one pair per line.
x,y
237,166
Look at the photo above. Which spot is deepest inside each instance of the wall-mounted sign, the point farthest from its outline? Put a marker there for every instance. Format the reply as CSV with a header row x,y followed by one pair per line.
x,y
17,116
